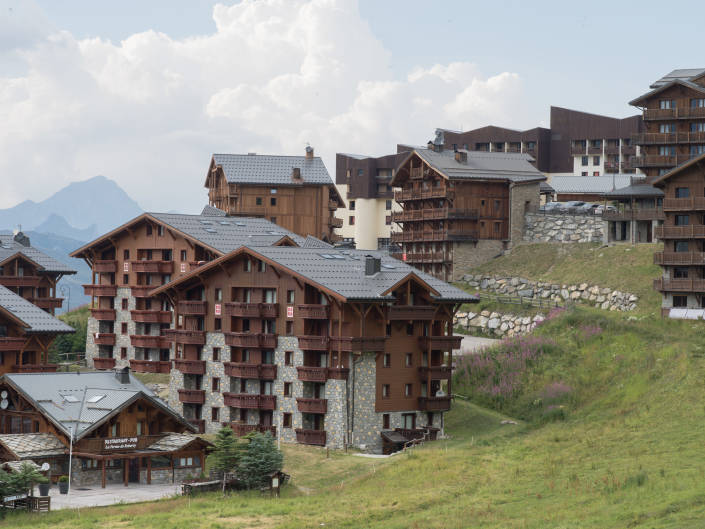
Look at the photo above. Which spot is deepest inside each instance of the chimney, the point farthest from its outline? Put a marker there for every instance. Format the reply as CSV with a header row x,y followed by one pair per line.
x,y
372,265
21,238
461,156
296,174
309,152
123,375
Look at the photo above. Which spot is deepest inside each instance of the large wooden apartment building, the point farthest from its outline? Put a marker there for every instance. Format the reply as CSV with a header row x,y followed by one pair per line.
x,y
461,208
294,192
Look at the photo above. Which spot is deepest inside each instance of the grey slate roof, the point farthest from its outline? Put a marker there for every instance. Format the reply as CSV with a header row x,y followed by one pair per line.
x,y
514,167
173,441
343,271
672,79
29,445
212,211
635,190
35,319
48,391
589,184
10,247
683,74
16,466
271,170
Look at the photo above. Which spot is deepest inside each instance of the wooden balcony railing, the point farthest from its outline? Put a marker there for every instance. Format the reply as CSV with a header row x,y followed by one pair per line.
x,y
634,214
192,396
250,401
692,231
35,368
20,281
684,204
100,290
311,437
185,337
441,343
192,308
253,371
141,291
367,344
151,316
679,285
411,312
8,343
435,372
332,205
153,267
313,312
150,366
105,267
149,341
251,310
431,257
312,374
683,110
611,149
679,258
408,194
434,403
103,363
594,150
190,367
336,222
103,314
241,429
47,303
668,138
312,405
578,150
315,343
247,339
338,373
434,214
434,235
199,424
104,338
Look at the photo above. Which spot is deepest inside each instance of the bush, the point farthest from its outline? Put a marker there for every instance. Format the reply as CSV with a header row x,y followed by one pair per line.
x,y
261,458
63,479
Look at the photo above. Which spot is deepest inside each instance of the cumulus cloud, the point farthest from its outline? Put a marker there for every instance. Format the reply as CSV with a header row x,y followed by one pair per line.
x,y
275,74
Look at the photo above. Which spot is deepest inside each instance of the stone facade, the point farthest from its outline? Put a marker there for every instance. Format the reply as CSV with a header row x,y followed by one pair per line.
x,y
523,198
496,324
564,228
81,477
599,297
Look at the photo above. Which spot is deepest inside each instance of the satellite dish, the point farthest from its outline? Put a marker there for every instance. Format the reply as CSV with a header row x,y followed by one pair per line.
x,y
45,467
3,394
3,404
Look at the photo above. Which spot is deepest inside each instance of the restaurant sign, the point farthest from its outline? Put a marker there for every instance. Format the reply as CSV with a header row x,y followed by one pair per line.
x,y
120,443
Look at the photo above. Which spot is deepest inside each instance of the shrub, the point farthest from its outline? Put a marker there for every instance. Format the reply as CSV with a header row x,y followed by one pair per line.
x,y
63,479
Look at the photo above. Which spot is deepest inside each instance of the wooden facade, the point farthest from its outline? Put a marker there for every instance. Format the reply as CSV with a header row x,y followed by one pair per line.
x,y
21,352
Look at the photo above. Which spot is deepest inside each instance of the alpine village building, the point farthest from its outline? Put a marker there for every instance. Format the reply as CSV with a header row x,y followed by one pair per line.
x,y
261,329
294,192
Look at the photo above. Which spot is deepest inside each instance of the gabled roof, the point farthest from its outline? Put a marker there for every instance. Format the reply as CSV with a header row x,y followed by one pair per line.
x,y
32,318
693,161
212,211
9,248
683,74
271,170
689,84
589,184
339,272
32,445
513,167
93,397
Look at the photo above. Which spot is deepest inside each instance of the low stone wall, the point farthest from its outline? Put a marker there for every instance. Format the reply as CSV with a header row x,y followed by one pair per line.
x,y
495,324
563,228
600,297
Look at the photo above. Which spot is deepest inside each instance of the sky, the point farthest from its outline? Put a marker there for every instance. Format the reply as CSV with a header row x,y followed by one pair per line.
x,y
144,92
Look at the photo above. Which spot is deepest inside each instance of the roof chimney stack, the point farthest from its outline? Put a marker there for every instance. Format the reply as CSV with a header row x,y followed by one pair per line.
x,y
372,265
461,156
309,152
123,375
296,174
21,238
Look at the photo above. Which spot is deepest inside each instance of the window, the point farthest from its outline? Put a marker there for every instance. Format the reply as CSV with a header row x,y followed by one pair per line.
x,y
682,220
125,279
351,220
680,301
682,192
387,362
667,150
219,294
388,220
497,226
408,421
126,254
287,389
696,149
183,255
149,229
360,172
139,428
408,390
289,328
273,220
584,160
261,266
215,414
666,104
215,384
217,324
268,357
352,205
216,354
286,420
194,461
273,191
270,295
680,273
409,329
123,328
409,360
681,246
247,265
290,296
385,391
596,173
385,421
123,353
666,128
273,201
269,326
258,201
288,355
124,303
584,173
595,160
388,205
160,231
115,429
89,464
161,462
698,126
697,103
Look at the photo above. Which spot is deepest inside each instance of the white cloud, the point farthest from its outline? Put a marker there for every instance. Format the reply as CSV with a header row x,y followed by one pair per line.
x,y
275,74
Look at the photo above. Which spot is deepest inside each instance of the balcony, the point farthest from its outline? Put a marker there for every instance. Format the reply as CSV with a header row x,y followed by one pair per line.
x,y
654,160
104,338
578,150
99,290
199,424
250,401
682,111
410,194
634,214
659,113
336,222
313,312
431,257
105,267
252,371
35,368
142,291
312,405
103,314
153,267
332,205
411,312
151,316
679,258
8,343
313,343
150,366
338,373
251,310
611,167
185,337
684,204
594,150
436,372
192,396
692,231
441,343
311,437
434,235
190,367
47,303
612,149
655,138
20,281
192,308
312,374
149,341
103,363
434,403
628,150
462,235
434,214
247,339
679,285
368,344
241,429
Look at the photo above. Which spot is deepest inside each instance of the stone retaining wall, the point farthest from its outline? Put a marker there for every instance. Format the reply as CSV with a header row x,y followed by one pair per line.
x,y
563,228
495,324
600,297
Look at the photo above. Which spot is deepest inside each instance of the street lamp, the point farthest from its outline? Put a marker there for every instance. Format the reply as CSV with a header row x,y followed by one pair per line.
x,y
66,292
70,455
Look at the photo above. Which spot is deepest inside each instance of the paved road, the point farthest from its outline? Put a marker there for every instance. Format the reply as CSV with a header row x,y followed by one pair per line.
x,y
474,344
111,494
